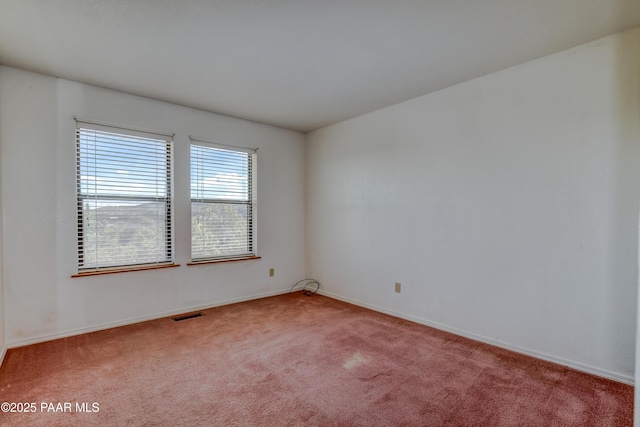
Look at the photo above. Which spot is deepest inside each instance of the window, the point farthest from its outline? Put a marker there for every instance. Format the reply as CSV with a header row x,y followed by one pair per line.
x,y
222,202
124,183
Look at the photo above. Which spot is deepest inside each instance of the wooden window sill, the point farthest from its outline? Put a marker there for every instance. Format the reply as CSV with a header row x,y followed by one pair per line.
x,y
124,270
215,261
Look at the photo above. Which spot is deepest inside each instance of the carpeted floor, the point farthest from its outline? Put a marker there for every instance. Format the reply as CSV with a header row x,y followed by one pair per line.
x,y
292,360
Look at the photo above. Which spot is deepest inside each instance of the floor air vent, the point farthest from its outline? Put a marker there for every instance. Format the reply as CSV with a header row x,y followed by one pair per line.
x,y
187,316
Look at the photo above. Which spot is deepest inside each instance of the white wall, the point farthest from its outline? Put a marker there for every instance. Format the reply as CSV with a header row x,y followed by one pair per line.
x,y
507,207
42,301
3,338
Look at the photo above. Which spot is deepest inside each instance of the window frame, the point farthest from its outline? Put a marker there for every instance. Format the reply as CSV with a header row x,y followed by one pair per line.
x,y
86,127
250,202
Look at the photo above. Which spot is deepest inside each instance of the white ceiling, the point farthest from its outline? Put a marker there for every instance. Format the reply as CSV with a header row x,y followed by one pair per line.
x,y
297,64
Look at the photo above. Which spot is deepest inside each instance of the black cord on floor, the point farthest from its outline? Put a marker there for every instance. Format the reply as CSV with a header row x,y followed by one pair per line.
x,y
309,286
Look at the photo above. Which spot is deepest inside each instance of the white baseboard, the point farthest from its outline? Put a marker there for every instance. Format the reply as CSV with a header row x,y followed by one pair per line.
x,y
558,360
109,325
3,353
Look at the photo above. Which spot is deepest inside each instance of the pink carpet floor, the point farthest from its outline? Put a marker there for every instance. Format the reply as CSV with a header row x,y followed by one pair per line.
x,y
293,360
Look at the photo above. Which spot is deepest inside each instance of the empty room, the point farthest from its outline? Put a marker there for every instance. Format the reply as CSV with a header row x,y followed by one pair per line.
x,y
319,213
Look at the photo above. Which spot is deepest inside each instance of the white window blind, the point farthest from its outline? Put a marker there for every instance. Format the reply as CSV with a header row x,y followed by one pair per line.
x,y
223,195
124,194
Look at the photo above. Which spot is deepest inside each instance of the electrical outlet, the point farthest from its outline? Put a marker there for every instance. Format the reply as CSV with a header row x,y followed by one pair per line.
x,y
398,286
272,272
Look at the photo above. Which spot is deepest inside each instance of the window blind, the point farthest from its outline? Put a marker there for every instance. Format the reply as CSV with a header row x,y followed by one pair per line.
x,y
124,196
222,202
